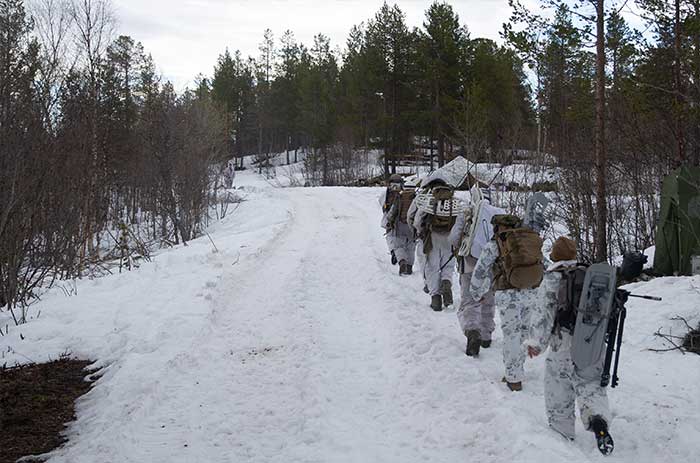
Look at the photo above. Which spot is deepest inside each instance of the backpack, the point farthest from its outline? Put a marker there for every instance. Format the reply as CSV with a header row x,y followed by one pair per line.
x,y
520,262
590,308
391,196
404,203
443,199
569,297
442,224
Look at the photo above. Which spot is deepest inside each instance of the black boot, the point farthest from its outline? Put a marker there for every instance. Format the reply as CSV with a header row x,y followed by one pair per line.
x,y
402,268
409,269
446,291
485,343
600,428
393,258
473,343
436,303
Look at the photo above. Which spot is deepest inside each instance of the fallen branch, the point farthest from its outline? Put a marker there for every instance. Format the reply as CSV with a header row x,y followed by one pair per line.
x,y
689,342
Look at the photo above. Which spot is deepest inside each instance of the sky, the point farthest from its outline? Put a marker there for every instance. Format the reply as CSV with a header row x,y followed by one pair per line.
x,y
185,37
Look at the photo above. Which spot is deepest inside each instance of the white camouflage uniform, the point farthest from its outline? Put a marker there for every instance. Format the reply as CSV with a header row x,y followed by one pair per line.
x,y
390,238
472,314
562,385
411,216
403,237
514,308
439,263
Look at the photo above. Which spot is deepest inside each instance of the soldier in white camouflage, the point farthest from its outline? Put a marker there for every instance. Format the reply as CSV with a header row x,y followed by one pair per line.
x,y
513,306
434,231
386,200
403,235
476,318
563,386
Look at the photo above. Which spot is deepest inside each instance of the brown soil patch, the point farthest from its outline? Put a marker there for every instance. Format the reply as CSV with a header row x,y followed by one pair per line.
x,y
36,402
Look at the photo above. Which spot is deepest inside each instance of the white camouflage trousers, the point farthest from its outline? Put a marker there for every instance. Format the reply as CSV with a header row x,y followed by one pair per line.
x,y
438,266
514,308
404,243
475,315
390,241
562,387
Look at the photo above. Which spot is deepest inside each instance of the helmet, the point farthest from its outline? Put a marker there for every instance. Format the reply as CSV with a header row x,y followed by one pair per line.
x,y
396,178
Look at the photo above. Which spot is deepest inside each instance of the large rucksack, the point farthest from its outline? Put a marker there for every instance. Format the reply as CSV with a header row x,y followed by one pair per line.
x,y
443,223
520,262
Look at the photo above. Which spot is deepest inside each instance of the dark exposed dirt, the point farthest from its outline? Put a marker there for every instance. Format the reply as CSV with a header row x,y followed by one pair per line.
x,y
36,403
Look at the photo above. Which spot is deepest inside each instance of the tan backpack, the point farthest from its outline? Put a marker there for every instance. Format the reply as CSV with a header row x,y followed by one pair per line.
x,y
520,263
404,202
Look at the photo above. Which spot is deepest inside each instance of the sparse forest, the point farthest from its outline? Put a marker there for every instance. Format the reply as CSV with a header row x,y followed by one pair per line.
x,y
574,86
101,159
401,231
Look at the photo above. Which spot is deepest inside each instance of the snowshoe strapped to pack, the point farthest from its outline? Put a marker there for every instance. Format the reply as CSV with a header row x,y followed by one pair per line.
x,y
441,209
520,263
589,345
534,212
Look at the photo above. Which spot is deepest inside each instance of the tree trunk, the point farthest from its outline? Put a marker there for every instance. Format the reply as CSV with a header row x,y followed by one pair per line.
x,y
680,155
600,155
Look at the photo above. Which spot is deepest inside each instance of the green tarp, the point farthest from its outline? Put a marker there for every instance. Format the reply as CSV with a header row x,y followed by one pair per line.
x,y
678,232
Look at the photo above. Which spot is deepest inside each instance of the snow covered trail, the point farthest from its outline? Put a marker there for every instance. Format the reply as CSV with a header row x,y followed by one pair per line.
x,y
298,342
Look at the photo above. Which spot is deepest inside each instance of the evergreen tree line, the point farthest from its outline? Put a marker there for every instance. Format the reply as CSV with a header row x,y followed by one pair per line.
x,y
574,86
414,94
96,153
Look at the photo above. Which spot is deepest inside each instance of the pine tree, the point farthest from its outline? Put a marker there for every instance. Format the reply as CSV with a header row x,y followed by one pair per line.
x,y
442,44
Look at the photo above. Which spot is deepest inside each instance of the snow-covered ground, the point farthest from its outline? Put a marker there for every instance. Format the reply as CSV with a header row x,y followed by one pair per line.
x,y
297,342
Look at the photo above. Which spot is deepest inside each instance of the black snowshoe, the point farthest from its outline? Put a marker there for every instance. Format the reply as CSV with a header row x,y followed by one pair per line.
x,y
602,436
436,303
473,343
